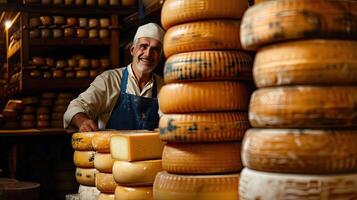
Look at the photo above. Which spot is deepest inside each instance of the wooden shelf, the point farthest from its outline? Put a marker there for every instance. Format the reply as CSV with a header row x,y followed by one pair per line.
x,y
56,83
35,132
69,41
14,49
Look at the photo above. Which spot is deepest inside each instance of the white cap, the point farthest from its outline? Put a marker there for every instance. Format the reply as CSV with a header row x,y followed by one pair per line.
x,y
150,30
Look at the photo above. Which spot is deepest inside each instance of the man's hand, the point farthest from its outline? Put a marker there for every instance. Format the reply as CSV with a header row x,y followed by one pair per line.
x,y
83,123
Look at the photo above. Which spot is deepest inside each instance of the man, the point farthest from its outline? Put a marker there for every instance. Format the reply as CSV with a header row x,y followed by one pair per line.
x,y
124,98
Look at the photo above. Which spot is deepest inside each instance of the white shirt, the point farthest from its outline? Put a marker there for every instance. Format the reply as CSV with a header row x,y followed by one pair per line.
x,y
100,98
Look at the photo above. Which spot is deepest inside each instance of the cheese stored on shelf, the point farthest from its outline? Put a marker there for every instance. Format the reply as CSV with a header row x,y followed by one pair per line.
x,y
82,141
86,176
105,182
103,162
133,193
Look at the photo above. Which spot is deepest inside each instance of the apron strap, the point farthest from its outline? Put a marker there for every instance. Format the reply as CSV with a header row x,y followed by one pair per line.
x,y
124,81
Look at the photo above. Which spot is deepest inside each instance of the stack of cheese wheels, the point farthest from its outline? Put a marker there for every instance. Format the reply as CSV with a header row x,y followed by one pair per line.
x,y
205,100
83,158
137,157
103,163
304,113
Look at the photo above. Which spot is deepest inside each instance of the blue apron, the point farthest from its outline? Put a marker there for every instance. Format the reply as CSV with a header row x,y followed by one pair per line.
x,y
133,112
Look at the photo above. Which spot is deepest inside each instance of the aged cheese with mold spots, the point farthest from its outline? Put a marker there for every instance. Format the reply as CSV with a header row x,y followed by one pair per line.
x,y
304,107
307,62
204,96
192,187
82,141
208,65
203,127
105,182
255,185
178,12
202,158
103,162
133,193
283,20
304,151
202,35
84,159
86,176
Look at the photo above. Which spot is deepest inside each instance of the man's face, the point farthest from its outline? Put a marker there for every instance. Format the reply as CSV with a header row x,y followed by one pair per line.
x,y
146,54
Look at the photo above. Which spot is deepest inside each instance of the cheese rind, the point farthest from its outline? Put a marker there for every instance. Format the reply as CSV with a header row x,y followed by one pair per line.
x,y
202,158
86,176
103,162
136,146
303,151
105,182
202,35
204,96
266,186
84,159
103,196
138,173
133,193
184,187
178,12
306,62
101,142
304,107
203,127
82,141
208,65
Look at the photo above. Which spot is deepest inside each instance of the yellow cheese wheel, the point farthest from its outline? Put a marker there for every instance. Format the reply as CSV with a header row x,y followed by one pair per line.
x,y
105,182
82,141
202,158
103,196
187,187
267,186
138,173
307,62
204,96
84,159
203,127
88,193
300,151
202,35
178,12
208,65
103,162
304,107
86,176
133,193
283,20
101,142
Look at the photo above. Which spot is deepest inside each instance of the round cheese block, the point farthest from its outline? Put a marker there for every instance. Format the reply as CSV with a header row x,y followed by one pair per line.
x,y
50,62
43,117
82,33
202,158
306,62
88,192
208,65
104,22
203,127
94,63
72,21
59,20
103,162
138,173
128,2
131,193
38,61
104,196
304,107
82,141
84,159
101,141
86,176
82,22
57,73
90,2
80,2
102,2
204,96
105,182
34,22
68,2
104,33
280,21
84,63
179,12
93,33
46,33
202,35
105,63
72,63
93,73
82,74
43,124
266,186
35,33
302,151
46,20
184,187
93,22
35,73
69,32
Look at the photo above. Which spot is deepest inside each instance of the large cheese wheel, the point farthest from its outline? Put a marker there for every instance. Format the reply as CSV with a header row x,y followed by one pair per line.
x,y
86,176
202,35
203,127
187,187
133,193
178,12
304,107
204,96
202,158
277,21
105,182
139,173
208,65
267,186
307,62
88,193
101,141
103,162
82,141
300,150
84,159
103,196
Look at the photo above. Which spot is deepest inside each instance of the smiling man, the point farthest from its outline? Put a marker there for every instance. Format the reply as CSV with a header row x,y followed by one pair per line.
x,y
124,98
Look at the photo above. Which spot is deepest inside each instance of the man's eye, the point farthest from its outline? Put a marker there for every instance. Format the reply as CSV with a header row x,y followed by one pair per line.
x,y
142,46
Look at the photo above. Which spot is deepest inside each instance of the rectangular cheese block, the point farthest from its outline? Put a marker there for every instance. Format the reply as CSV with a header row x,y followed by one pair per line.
x,y
136,146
